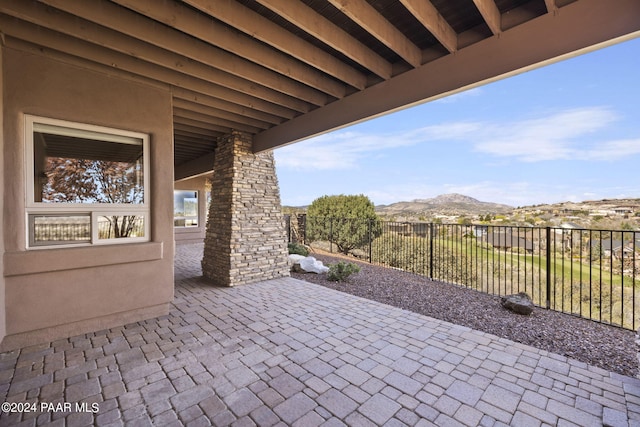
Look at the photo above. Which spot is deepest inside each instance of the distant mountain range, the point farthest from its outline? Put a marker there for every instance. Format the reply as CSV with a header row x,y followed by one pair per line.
x,y
449,204
458,205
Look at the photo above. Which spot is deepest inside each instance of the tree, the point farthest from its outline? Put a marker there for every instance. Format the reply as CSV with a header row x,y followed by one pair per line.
x,y
463,220
348,221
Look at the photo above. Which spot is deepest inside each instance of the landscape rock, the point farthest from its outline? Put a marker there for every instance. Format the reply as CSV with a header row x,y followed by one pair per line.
x,y
302,264
518,303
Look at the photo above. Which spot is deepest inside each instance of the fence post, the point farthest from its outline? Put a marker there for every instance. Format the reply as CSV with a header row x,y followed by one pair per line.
x,y
370,241
548,253
302,227
330,235
288,221
430,250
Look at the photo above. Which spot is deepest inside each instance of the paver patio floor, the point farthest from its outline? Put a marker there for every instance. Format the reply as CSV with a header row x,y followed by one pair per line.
x,y
287,352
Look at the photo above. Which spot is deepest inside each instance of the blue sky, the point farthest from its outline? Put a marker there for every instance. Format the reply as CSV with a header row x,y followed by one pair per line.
x,y
569,131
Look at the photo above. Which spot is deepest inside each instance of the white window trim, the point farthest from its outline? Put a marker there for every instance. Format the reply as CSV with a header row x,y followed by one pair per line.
x,y
36,123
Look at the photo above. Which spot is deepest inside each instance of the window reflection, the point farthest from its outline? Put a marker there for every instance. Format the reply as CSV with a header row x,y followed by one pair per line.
x,y
71,169
120,226
185,208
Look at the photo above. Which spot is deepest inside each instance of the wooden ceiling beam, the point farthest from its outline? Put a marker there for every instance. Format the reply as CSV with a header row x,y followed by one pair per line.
x,y
195,137
209,30
197,124
194,167
425,12
192,141
127,22
213,120
491,14
220,104
373,22
329,33
215,112
551,5
197,132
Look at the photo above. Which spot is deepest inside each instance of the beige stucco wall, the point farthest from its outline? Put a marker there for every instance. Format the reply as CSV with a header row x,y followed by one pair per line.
x,y
57,292
193,234
2,304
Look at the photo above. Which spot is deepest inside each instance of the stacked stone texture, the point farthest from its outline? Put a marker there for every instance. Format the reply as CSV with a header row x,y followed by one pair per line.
x,y
246,238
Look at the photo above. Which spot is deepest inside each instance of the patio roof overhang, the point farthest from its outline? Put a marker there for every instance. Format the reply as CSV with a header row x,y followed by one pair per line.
x,y
286,70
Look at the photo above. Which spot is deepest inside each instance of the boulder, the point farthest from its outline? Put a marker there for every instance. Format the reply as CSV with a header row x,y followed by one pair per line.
x,y
518,303
302,264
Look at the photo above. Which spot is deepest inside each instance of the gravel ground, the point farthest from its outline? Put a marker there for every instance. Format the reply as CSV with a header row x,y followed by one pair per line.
x,y
597,344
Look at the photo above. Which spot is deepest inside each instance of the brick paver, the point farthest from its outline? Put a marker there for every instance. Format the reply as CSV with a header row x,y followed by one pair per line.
x,y
286,352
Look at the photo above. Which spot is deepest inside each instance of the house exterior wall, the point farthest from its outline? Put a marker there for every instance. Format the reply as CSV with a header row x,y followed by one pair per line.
x,y
52,293
194,234
246,239
2,285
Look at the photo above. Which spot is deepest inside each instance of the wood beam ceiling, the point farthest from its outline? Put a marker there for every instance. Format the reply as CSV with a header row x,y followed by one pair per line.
x,y
429,16
258,27
368,18
323,29
490,13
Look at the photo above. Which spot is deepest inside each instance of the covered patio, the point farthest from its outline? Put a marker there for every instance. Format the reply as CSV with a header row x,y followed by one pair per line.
x,y
287,352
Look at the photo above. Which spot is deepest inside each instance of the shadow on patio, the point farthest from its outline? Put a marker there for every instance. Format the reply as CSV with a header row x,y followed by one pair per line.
x,y
287,352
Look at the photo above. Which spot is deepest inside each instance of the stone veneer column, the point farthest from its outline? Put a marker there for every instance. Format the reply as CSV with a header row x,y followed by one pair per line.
x,y
245,240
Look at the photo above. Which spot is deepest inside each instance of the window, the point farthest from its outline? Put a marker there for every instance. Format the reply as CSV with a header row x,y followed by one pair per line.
x,y
85,184
185,208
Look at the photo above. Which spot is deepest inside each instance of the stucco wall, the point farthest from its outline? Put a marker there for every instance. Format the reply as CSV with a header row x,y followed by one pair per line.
x,y
2,303
57,292
193,234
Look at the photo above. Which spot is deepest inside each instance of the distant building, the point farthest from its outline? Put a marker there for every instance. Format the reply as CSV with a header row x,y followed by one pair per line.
x,y
506,241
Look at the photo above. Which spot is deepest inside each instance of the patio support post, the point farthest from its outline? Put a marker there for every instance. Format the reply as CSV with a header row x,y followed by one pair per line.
x,y
246,240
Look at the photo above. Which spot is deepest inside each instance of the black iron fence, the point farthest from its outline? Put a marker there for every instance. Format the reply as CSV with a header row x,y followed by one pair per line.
x,y
589,273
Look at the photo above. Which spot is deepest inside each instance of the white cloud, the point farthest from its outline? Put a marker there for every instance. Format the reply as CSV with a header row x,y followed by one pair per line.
x,y
557,136
613,150
343,150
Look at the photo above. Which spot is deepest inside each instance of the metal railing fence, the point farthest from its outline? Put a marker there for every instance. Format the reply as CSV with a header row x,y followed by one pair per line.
x,y
594,274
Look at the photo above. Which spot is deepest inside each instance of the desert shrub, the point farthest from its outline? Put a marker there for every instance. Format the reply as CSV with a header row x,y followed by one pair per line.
x,y
340,271
397,251
349,222
298,249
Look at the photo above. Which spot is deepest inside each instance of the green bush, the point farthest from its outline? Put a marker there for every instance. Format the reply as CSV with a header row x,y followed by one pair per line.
x,y
298,249
349,222
339,272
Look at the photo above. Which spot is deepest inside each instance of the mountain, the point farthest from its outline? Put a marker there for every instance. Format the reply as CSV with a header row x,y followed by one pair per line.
x,y
445,204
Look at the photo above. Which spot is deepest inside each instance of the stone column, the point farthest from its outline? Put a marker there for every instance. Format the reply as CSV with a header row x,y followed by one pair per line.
x,y
245,240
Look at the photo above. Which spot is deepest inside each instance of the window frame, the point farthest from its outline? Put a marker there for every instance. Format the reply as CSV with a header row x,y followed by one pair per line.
x,y
93,210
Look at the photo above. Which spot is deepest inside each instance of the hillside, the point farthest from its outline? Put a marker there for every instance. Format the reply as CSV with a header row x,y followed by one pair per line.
x,y
632,205
445,204
454,206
